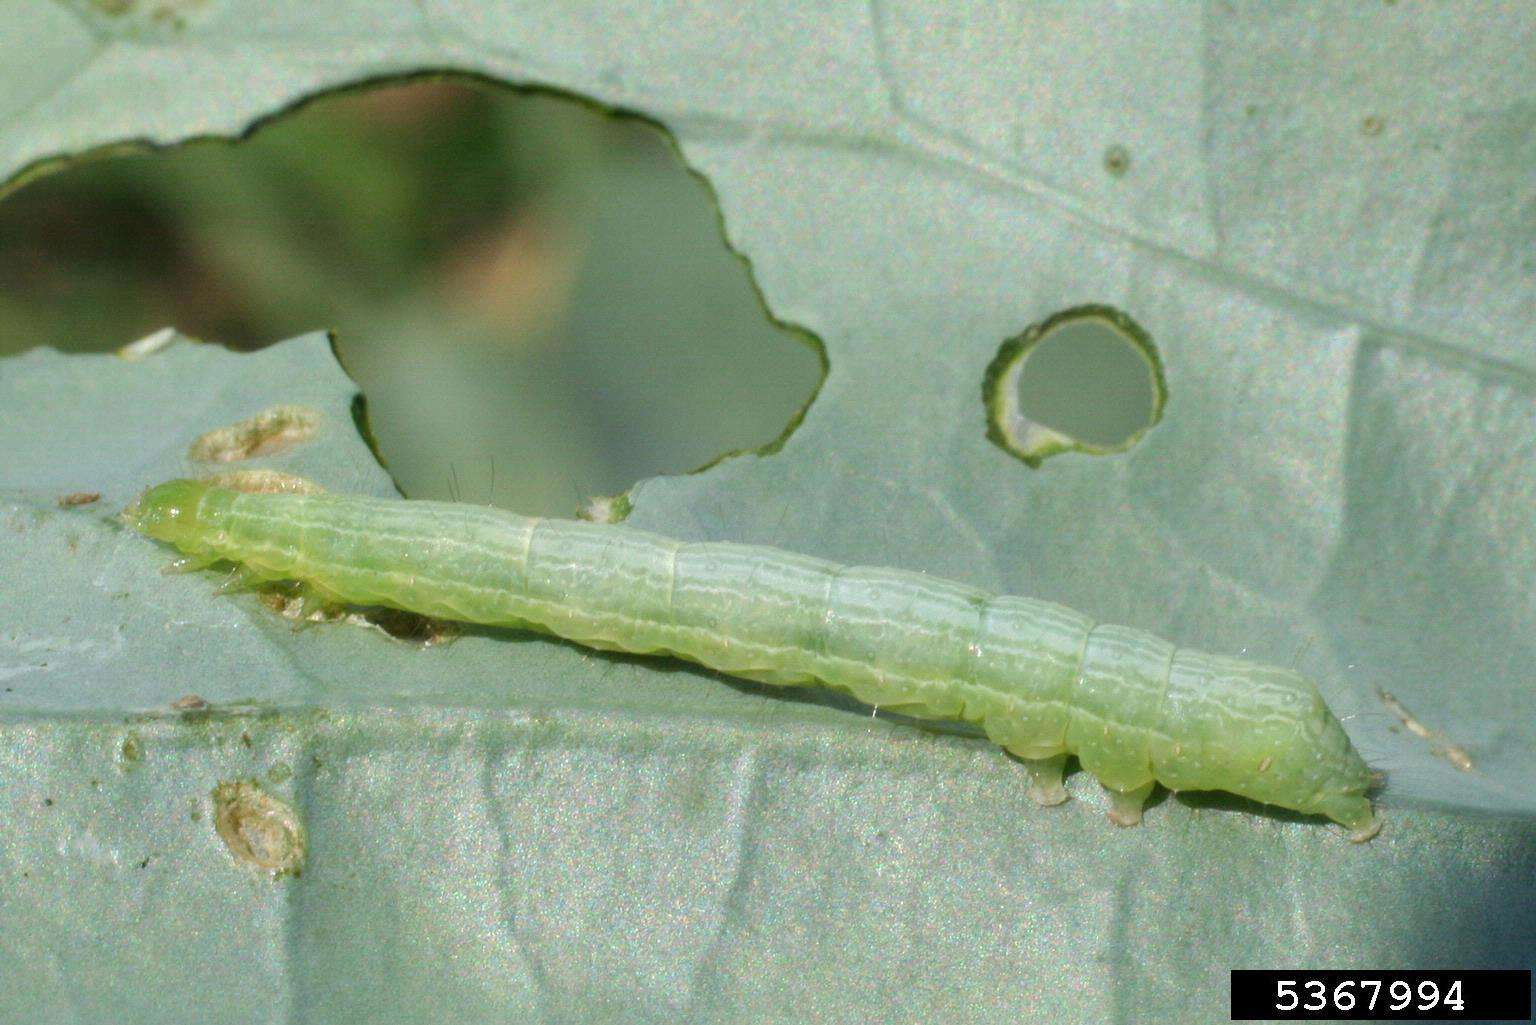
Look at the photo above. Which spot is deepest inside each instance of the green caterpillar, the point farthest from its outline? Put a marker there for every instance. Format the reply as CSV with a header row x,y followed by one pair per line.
x,y
1043,681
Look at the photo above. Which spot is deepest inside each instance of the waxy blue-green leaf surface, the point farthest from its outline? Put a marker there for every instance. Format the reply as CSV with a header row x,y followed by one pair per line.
x,y
1326,225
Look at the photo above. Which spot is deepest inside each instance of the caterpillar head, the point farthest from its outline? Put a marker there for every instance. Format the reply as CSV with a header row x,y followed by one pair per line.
x,y
171,512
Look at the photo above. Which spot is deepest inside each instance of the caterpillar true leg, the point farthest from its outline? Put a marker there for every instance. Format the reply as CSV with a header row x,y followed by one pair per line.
x,y
241,578
189,564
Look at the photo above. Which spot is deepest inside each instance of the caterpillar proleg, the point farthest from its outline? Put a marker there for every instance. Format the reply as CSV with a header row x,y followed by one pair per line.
x,y
1042,681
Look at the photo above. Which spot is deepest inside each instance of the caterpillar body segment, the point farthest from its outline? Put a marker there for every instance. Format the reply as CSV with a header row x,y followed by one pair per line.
x,y
1043,681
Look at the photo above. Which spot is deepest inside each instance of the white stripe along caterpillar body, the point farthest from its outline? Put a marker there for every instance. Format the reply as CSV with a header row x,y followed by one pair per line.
x,y
1042,680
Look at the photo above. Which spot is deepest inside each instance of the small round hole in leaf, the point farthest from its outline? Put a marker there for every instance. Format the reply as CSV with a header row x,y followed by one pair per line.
x,y
1086,379
258,828
268,433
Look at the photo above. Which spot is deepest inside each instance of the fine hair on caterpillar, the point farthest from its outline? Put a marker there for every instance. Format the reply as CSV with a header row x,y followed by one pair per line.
x,y
1041,680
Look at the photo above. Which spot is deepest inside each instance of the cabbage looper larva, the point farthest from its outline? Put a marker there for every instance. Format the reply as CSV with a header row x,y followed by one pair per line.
x,y
1043,681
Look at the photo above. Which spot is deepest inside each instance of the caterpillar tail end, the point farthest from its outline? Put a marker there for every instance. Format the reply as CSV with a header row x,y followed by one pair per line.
x,y
1366,832
1364,825
1355,814
1125,805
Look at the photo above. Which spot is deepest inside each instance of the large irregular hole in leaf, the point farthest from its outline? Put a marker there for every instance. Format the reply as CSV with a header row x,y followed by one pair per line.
x,y
1086,379
533,293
